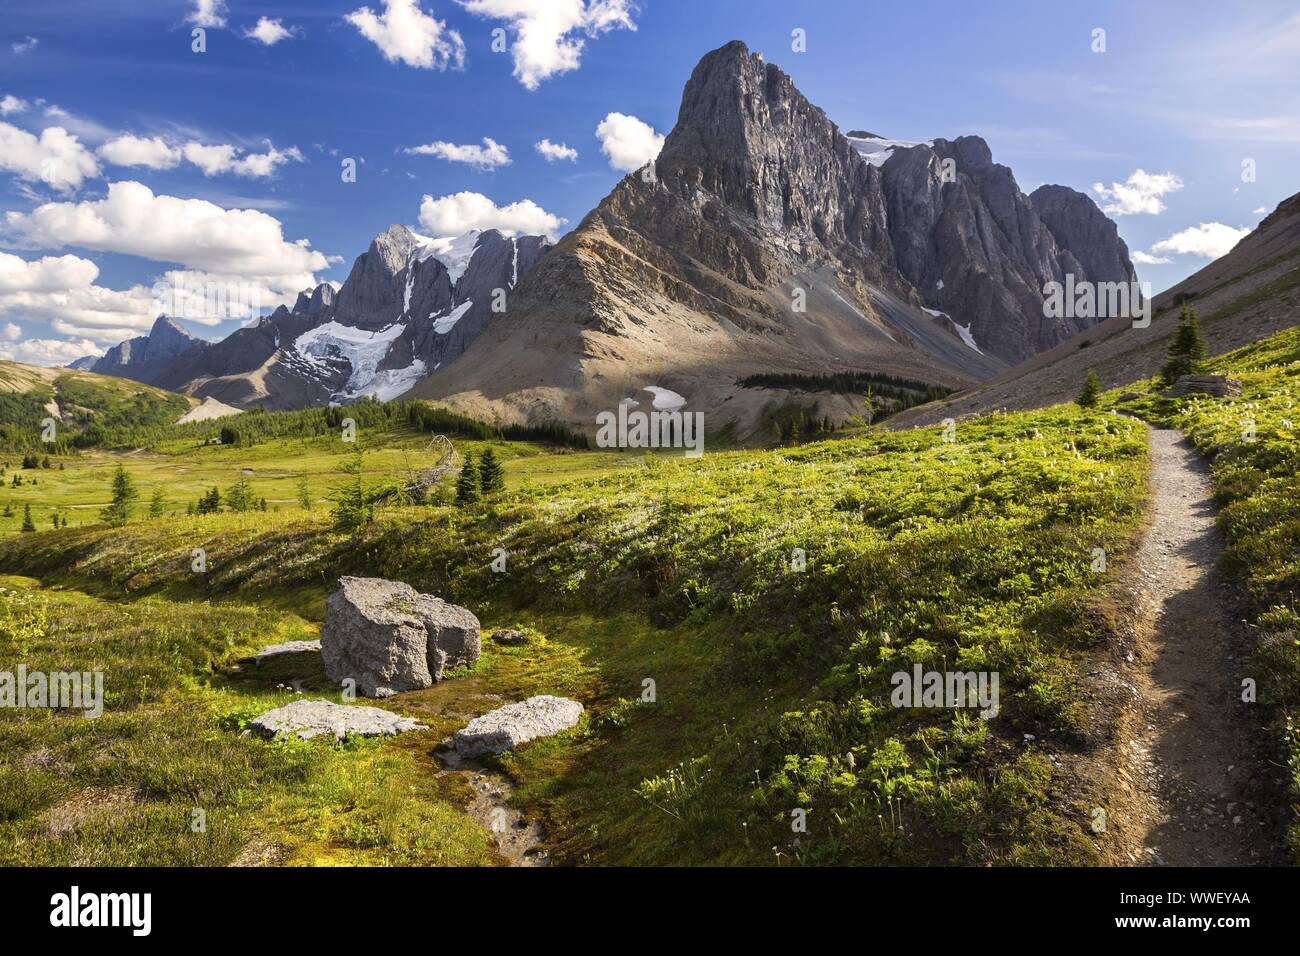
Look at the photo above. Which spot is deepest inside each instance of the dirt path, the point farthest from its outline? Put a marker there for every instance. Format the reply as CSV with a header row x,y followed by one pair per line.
x,y
1194,755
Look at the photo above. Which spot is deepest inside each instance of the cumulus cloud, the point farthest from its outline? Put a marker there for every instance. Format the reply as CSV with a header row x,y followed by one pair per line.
x,y
488,156
461,212
406,34
25,45
208,13
56,158
556,151
61,291
242,243
11,333
49,352
628,142
1140,193
1261,211
12,104
269,31
545,32
128,150
1146,259
1209,240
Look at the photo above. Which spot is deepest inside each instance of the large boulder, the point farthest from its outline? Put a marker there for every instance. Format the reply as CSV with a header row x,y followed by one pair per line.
x,y
507,727
315,718
389,638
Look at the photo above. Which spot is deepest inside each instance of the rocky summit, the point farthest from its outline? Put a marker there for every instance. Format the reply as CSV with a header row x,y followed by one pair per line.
x,y
765,240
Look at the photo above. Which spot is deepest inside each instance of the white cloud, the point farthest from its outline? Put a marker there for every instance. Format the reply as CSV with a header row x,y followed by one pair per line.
x,y
1140,193
12,104
544,41
488,156
627,141
1209,240
406,34
49,352
1261,211
213,159
61,291
128,150
459,213
217,158
208,13
12,333
1146,259
242,243
25,45
57,158
269,31
556,151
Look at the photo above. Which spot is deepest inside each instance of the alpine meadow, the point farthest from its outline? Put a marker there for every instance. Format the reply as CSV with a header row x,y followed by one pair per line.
x,y
590,434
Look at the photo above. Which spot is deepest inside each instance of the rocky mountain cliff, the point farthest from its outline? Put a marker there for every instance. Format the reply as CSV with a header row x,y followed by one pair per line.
x,y
762,239
1249,294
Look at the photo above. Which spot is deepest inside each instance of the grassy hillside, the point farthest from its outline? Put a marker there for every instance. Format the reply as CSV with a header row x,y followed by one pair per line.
x,y
772,683
1254,442
82,404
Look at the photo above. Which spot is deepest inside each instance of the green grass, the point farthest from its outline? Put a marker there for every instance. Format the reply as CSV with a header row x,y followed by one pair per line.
x,y
1254,442
772,684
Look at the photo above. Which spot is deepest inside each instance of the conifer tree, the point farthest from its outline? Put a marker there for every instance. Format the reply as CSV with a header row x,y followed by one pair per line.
x,y
1188,349
491,476
467,489
118,511
1091,391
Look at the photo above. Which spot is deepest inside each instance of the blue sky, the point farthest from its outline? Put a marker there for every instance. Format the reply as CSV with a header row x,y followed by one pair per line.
x,y
237,150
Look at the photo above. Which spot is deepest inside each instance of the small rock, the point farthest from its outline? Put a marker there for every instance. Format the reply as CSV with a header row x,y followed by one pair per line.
x,y
507,727
313,718
510,638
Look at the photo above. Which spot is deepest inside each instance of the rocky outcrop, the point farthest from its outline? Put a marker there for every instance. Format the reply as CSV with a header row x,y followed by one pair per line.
x,y
388,638
981,251
1083,231
1220,386
507,727
323,718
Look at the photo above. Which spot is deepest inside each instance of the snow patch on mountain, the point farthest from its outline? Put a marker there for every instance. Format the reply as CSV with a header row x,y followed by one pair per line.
x,y
962,330
876,150
393,382
447,321
363,351
454,253
665,400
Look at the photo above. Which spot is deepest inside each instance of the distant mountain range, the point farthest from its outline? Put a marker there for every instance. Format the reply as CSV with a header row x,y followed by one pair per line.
x,y
762,240
410,305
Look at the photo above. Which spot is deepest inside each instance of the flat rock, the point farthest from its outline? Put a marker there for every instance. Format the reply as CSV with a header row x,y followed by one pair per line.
x,y
507,727
388,638
288,647
314,718
510,638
